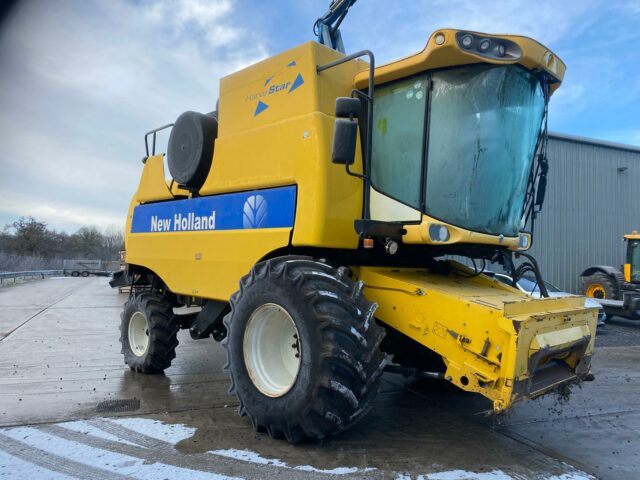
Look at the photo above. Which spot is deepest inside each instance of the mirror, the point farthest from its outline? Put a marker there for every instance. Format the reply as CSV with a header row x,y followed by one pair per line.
x,y
347,107
345,136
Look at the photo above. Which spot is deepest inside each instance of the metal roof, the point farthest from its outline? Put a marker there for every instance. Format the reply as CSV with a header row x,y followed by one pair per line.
x,y
593,141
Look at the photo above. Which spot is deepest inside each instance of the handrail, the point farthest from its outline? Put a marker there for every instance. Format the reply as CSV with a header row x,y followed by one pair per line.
x,y
154,132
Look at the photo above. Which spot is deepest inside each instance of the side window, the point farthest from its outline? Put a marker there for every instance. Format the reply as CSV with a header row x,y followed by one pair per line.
x,y
398,135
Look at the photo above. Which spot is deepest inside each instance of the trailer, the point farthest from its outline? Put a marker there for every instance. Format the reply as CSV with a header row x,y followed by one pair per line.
x,y
84,268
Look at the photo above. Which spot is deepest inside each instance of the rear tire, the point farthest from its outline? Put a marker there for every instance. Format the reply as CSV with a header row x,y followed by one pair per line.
x,y
148,333
600,286
75,274
338,373
84,274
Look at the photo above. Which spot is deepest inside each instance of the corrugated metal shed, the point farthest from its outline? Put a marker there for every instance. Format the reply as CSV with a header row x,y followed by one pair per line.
x,y
593,199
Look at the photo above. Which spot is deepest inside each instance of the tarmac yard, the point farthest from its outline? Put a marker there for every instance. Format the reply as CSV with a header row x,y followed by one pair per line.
x,y
70,408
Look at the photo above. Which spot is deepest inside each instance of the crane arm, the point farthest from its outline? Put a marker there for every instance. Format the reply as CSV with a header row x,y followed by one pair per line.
x,y
327,28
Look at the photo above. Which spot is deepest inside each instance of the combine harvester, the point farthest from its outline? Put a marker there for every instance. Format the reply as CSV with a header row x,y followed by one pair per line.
x,y
327,217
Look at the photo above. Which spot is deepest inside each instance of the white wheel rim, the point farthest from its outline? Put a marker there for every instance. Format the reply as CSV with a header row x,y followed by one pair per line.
x,y
138,334
271,350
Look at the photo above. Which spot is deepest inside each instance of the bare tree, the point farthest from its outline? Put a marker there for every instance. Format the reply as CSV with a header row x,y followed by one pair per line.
x,y
28,244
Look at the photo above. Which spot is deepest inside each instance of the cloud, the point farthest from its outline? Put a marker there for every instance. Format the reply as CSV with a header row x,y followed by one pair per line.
x,y
61,215
80,83
543,20
204,15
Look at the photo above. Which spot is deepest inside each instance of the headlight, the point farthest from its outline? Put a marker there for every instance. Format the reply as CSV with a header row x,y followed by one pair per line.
x,y
438,233
484,45
524,242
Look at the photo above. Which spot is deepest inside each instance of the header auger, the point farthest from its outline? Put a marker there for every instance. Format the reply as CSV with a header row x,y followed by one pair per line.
x,y
313,212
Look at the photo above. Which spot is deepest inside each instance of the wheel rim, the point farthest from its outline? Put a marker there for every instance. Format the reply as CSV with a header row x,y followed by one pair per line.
x,y
138,334
271,350
595,290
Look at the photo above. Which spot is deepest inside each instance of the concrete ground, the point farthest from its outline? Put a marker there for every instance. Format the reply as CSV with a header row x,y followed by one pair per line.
x,y
60,360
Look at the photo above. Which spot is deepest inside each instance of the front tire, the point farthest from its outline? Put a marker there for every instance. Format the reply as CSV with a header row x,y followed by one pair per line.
x,y
302,348
148,333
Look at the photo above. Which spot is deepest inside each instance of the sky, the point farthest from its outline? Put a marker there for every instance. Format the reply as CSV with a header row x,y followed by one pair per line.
x,y
81,81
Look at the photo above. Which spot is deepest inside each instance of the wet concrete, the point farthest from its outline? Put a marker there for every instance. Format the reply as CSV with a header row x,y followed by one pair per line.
x,y
60,357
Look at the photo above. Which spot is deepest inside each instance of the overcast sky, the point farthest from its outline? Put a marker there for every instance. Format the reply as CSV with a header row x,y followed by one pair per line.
x,y
82,80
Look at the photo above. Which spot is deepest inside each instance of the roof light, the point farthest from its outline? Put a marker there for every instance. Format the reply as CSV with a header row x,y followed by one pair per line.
x,y
467,41
496,48
439,39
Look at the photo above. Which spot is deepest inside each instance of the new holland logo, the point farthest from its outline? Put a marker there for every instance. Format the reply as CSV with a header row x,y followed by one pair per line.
x,y
254,212
274,88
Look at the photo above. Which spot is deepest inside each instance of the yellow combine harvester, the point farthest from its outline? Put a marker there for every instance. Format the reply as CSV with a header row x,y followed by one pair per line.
x,y
324,219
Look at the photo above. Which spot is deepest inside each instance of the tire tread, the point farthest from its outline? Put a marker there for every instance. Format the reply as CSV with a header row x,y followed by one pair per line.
x,y
352,362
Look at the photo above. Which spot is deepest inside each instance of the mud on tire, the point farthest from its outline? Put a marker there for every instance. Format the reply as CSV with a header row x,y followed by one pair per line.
x,y
340,360
161,332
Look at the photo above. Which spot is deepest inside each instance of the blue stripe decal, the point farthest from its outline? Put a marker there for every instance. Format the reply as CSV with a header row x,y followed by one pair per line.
x,y
269,208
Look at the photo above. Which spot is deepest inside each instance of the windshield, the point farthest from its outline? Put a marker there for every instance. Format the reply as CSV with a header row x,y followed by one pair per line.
x,y
483,132
483,126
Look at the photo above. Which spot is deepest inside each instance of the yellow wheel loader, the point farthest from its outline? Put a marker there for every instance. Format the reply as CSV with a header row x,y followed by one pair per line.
x,y
318,208
618,290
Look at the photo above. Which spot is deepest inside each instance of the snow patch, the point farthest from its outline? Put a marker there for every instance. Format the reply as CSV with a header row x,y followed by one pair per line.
x,y
88,429
171,433
248,456
109,461
253,457
14,467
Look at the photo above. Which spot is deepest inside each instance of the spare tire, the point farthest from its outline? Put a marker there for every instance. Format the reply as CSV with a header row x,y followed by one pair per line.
x,y
190,149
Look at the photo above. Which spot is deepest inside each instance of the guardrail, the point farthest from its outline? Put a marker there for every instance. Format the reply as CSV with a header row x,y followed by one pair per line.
x,y
29,274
